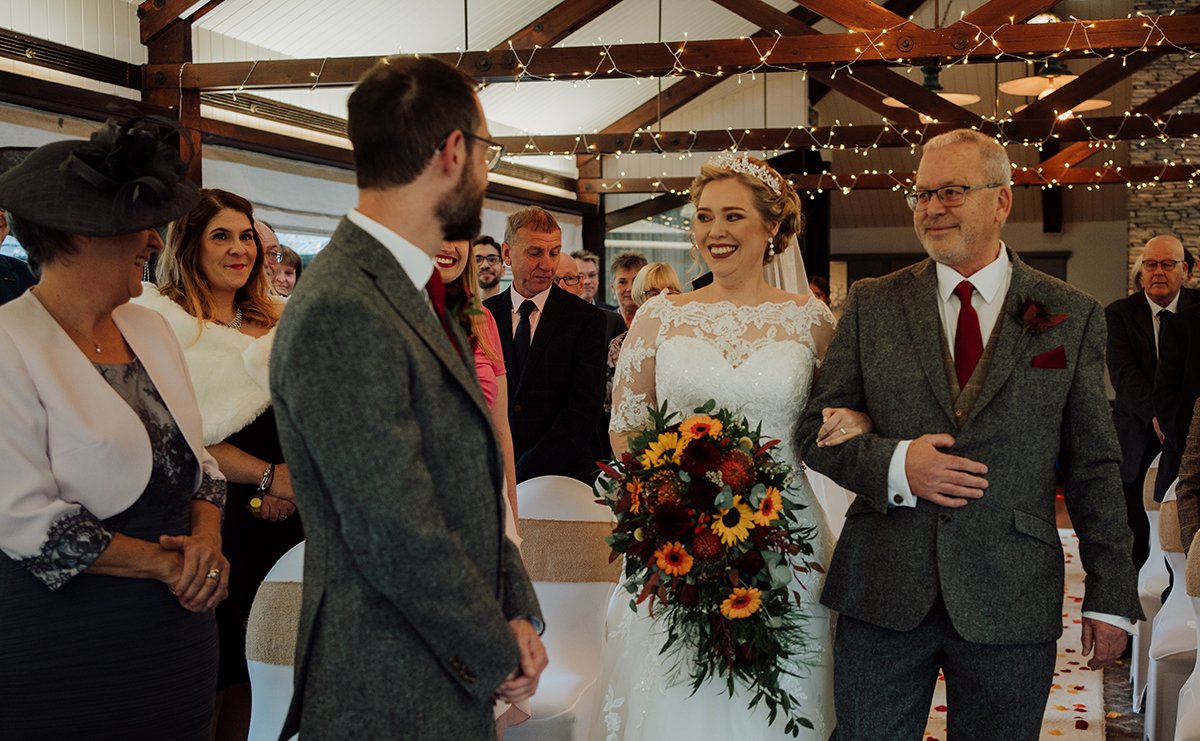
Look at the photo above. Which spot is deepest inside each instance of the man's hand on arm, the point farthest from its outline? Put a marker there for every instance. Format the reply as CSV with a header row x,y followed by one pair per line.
x,y
522,683
1107,640
940,478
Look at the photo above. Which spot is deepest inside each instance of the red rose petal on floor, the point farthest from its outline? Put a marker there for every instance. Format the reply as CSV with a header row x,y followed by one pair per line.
x,y
1081,724
940,708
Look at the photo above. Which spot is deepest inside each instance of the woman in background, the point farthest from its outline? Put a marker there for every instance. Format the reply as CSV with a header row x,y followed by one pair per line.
x,y
287,271
214,292
654,278
462,301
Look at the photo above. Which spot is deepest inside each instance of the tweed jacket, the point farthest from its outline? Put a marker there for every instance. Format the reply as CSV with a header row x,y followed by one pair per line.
x,y
997,562
1132,362
554,406
1188,492
409,582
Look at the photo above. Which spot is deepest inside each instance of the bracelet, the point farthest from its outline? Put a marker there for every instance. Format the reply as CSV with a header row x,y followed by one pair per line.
x,y
267,477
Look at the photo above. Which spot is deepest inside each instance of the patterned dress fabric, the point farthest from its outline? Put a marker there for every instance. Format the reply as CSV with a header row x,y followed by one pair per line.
x,y
757,361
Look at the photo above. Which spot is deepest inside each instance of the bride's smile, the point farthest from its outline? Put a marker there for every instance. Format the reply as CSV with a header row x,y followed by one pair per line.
x,y
729,229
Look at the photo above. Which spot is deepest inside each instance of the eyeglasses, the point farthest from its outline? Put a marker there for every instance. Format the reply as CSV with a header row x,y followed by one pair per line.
x,y
494,150
492,260
570,280
1151,265
949,195
652,292
273,256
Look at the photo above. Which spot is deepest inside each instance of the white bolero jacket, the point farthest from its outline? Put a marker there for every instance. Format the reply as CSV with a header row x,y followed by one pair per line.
x,y
72,451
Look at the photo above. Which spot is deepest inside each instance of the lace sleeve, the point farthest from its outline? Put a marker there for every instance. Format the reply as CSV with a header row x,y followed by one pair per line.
x,y
212,490
822,329
633,386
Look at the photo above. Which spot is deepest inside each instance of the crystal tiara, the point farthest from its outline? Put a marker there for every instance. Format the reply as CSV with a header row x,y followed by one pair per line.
x,y
741,163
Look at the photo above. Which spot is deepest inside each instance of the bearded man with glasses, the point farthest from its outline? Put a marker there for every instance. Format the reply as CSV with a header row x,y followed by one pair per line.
x,y
489,266
984,379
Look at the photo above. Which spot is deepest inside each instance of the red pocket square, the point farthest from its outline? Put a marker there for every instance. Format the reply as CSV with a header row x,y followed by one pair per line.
x,y
1055,359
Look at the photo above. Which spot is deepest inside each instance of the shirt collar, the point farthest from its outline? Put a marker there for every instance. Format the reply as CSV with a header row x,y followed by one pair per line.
x,y
539,300
417,265
987,281
1172,307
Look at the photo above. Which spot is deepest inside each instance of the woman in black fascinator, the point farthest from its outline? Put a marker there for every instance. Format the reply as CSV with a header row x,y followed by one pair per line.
x,y
110,511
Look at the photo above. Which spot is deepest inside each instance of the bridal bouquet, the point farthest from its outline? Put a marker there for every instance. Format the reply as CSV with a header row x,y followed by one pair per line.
x,y
710,543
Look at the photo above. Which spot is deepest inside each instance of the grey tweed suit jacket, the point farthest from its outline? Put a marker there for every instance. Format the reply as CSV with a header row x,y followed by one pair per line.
x,y
409,582
997,562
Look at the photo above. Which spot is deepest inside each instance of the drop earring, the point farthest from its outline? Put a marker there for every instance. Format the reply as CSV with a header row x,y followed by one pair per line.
x,y
771,247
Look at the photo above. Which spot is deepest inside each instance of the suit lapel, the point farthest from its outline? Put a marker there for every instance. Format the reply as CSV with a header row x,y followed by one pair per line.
x,y
548,322
1013,337
398,290
920,298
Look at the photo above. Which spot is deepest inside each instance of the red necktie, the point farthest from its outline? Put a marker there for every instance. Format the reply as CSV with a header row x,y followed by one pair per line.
x,y
968,342
437,297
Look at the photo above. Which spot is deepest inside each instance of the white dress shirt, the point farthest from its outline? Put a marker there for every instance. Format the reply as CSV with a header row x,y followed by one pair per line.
x,y
417,265
991,288
539,301
1156,312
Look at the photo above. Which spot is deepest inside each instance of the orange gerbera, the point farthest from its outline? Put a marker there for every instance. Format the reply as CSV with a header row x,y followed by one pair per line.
x,y
673,559
741,603
769,508
701,426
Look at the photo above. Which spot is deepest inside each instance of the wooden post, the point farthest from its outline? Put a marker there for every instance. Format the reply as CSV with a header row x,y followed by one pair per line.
x,y
173,45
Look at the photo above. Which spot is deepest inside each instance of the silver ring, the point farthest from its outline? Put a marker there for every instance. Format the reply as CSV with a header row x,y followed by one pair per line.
x,y
214,574
842,430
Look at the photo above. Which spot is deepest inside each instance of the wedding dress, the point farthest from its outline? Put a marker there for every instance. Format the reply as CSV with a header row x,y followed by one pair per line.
x,y
757,361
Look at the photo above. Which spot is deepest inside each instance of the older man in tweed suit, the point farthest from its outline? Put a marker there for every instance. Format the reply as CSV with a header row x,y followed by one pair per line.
x,y
949,556
417,610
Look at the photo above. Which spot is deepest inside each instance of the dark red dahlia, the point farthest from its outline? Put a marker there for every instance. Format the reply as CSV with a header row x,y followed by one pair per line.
x,y
751,563
671,521
703,493
706,544
699,457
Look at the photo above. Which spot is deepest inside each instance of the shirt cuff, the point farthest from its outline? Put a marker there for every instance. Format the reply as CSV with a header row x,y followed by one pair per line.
x,y
1124,623
536,622
899,493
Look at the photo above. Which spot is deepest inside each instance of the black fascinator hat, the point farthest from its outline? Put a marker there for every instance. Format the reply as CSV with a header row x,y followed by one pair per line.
x,y
127,177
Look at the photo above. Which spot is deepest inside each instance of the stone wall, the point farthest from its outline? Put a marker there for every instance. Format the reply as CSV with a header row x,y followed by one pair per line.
x,y
1168,208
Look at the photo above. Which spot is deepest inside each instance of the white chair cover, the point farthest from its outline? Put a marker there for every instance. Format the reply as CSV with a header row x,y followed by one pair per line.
x,y
564,550
1152,582
1187,720
271,645
1173,647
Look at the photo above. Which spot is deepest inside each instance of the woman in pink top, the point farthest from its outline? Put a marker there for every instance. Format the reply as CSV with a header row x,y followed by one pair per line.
x,y
462,299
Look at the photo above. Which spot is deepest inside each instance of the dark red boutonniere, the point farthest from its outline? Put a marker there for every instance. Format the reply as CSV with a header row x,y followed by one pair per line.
x,y
1036,318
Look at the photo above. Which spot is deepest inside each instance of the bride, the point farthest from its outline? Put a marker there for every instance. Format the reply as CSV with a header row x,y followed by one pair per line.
x,y
753,349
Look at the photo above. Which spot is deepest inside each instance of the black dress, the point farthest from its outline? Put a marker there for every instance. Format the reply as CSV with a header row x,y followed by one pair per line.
x,y
107,657
252,545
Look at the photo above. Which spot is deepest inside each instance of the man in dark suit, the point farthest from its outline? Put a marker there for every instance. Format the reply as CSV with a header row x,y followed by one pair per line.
x,y
553,351
949,556
15,277
1176,387
589,268
417,611
1134,326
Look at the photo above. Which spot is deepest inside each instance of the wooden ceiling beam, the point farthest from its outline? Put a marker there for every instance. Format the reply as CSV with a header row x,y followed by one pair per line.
x,y
724,57
557,23
1008,11
1081,176
856,15
853,87
915,95
1093,129
156,15
1091,83
1172,97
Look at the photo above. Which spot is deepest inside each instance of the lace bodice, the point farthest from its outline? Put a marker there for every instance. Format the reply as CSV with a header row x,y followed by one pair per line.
x,y
755,360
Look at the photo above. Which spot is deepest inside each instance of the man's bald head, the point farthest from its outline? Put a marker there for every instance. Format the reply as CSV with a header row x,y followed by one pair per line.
x,y
1162,269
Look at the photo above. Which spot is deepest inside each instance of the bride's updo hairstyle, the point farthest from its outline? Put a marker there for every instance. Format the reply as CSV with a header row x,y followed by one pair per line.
x,y
774,196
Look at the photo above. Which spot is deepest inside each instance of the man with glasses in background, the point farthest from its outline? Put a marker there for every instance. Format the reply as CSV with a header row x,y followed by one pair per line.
x,y
567,277
488,265
949,556
1135,327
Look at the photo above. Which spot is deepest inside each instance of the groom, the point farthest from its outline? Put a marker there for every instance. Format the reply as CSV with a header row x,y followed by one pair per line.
x,y
417,610
984,379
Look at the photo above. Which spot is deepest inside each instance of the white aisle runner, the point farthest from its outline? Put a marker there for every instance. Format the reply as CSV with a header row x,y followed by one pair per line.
x,y
1075,709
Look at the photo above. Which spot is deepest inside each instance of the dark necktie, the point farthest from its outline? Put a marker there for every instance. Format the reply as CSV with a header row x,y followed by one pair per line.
x,y
523,336
968,341
437,297
1162,317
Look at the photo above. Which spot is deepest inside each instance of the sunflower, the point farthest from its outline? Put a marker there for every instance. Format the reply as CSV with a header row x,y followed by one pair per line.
x,y
673,559
634,487
663,450
769,508
734,524
741,603
701,426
